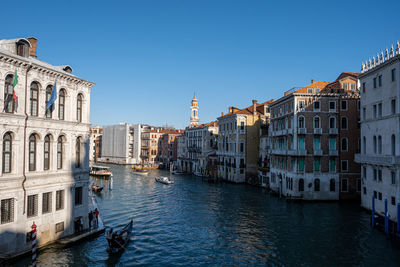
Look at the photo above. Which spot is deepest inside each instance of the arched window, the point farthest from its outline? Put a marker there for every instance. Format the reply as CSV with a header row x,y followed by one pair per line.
x,y
393,145
301,185
364,145
316,185
316,122
46,152
61,104
332,185
301,122
78,153
7,153
344,144
60,152
8,95
49,111
332,122
32,153
34,98
79,108
375,144
379,144
344,123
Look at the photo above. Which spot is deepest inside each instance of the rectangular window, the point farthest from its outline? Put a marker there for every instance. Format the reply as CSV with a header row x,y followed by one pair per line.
x,y
393,106
7,210
301,164
78,195
46,202
363,87
365,190
302,104
345,86
59,227
380,110
393,75
345,185
332,143
353,86
60,200
332,165
316,106
301,143
375,111
364,113
32,205
375,195
242,125
374,82
317,165
380,80
242,147
344,165
375,174
393,201
310,90
343,104
364,173
393,176
380,195
380,175
332,106
317,143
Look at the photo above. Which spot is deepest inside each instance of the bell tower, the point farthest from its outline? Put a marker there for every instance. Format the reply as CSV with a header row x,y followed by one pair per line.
x,y
194,112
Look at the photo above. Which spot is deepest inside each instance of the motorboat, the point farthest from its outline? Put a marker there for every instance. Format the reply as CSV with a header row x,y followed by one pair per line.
x,y
96,188
177,172
118,241
164,180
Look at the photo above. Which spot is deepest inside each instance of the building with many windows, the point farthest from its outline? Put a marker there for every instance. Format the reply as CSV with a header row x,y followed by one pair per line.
x,y
169,147
201,143
380,127
238,142
314,135
44,172
96,134
121,143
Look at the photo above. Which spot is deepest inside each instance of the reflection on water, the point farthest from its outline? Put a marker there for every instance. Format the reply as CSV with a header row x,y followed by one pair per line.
x,y
197,223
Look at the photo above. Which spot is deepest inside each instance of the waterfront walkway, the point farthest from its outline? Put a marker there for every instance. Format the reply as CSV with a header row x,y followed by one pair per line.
x,y
94,231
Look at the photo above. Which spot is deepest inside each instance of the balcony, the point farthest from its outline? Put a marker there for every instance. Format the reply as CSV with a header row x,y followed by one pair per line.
x,y
333,131
291,152
301,152
318,152
333,152
278,151
301,131
317,130
384,160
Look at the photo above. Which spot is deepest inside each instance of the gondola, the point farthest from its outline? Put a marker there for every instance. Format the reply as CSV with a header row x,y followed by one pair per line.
x,y
118,241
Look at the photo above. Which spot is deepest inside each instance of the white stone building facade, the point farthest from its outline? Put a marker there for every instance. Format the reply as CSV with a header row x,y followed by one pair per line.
x,y
44,171
380,128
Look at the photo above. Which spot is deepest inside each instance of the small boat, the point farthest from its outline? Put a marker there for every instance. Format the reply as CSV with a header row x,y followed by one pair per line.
x,y
96,188
177,172
163,180
118,241
141,171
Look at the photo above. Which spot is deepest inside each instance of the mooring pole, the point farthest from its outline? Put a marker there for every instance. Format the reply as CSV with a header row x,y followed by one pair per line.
x,y
373,212
398,217
386,218
34,245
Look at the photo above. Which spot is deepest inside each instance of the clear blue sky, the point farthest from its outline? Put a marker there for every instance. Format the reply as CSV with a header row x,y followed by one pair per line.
x,y
148,57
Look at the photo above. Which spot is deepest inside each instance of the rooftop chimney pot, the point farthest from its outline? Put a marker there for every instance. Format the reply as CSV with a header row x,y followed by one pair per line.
x,y
312,81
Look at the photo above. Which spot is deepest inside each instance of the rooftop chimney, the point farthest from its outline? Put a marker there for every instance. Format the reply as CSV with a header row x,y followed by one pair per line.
x,y
312,81
254,106
32,50
222,114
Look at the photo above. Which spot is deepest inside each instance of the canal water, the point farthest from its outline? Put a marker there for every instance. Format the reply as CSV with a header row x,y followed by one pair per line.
x,y
196,223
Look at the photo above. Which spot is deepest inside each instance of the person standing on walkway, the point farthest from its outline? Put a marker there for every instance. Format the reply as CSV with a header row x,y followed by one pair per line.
x,y
90,219
96,212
